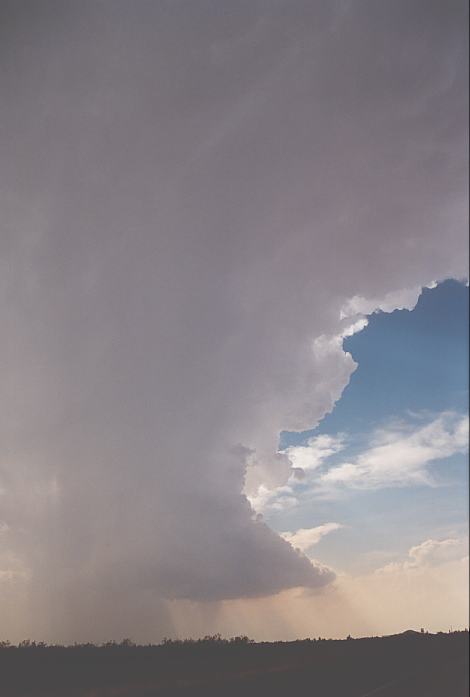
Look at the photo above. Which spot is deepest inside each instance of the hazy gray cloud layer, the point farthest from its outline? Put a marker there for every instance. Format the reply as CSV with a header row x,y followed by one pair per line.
x,y
191,194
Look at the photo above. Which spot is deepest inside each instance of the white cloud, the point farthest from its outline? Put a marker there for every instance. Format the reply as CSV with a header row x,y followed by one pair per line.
x,y
355,327
305,538
317,450
404,299
278,499
400,457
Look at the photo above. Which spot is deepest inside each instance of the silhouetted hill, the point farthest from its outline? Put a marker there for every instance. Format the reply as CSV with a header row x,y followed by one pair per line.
x,y
412,664
408,633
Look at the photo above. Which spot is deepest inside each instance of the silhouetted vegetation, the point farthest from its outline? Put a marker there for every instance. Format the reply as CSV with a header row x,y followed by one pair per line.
x,y
412,664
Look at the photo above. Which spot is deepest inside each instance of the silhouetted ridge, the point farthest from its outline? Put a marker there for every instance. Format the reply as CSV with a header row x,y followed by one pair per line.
x,y
411,664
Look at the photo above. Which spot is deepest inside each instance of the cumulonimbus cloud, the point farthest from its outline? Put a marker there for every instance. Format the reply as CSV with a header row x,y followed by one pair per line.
x,y
191,199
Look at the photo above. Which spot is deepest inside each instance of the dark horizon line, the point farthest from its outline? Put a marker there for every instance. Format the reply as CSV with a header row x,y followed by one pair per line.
x,y
217,639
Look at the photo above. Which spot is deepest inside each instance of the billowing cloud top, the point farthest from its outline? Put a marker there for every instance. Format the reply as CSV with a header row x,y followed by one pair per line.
x,y
193,192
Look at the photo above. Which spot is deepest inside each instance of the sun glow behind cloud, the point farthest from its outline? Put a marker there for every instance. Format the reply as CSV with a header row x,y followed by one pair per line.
x,y
391,599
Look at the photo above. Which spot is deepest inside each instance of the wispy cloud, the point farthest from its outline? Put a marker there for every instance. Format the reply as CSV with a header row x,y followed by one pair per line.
x,y
400,456
396,455
306,538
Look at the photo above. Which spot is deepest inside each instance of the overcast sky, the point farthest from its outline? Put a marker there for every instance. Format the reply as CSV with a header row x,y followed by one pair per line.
x,y
200,200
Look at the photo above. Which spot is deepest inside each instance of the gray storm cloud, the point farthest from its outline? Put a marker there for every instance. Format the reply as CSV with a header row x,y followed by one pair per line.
x,y
191,193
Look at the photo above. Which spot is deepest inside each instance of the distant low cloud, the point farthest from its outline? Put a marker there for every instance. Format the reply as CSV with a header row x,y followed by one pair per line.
x,y
429,553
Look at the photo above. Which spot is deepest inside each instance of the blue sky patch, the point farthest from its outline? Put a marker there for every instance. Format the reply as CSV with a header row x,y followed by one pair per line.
x,y
410,390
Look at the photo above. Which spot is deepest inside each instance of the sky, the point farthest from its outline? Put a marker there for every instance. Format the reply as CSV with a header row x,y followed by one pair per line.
x,y
233,265
411,384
